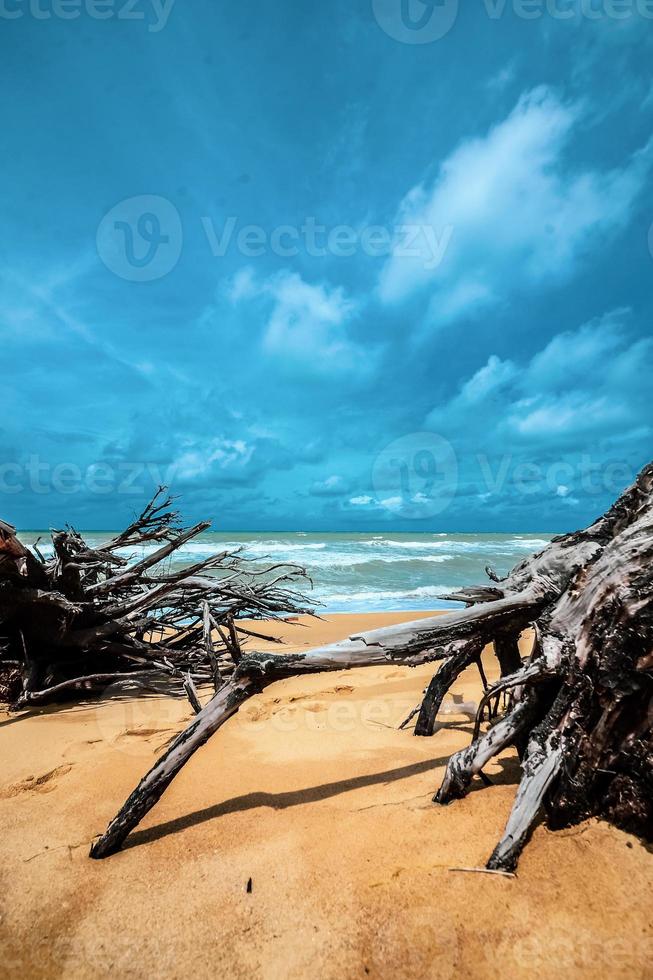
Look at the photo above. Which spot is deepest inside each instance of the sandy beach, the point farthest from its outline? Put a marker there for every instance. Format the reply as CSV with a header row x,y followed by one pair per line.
x,y
313,794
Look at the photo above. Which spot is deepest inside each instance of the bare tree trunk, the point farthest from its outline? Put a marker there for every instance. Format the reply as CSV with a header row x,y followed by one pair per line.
x,y
580,707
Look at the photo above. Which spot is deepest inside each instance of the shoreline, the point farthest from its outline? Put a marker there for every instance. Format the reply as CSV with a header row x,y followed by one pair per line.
x,y
313,793
361,573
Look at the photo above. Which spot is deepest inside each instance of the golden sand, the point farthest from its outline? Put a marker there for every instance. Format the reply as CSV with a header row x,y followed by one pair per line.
x,y
313,794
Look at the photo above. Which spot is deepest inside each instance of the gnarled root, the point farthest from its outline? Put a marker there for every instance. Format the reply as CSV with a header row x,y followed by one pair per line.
x,y
580,710
541,767
469,762
440,684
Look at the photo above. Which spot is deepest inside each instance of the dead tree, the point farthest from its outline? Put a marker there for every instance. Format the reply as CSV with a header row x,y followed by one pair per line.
x,y
91,616
578,709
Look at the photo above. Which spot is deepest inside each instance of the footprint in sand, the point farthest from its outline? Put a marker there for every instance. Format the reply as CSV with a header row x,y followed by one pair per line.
x,y
340,689
133,741
274,706
268,710
145,734
45,783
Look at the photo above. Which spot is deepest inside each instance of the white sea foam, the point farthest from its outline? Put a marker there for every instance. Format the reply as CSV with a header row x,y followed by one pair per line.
x,y
337,559
361,571
381,595
318,555
452,544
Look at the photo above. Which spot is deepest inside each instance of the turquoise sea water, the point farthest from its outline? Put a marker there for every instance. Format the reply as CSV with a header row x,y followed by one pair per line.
x,y
366,572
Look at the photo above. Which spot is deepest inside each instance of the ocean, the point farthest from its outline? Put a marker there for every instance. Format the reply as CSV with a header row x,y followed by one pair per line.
x,y
363,572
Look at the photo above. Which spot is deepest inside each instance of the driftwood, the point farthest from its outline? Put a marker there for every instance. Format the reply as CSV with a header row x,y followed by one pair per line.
x,y
578,710
90,617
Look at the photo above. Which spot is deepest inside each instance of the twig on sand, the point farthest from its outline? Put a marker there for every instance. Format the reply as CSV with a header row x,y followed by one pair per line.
x,y
486,871
577,709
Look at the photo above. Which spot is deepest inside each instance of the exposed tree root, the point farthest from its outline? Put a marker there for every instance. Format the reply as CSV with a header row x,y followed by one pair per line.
x,y
470,762
540,770
579,710
87,617
452,668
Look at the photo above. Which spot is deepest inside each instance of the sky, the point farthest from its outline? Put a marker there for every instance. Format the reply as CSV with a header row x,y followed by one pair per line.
x,y
344,266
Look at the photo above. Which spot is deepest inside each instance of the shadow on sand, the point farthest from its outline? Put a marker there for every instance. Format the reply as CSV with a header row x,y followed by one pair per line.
x,y
280,801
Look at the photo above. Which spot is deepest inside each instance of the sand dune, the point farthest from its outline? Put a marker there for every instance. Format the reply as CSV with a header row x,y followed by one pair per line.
x,y
313,794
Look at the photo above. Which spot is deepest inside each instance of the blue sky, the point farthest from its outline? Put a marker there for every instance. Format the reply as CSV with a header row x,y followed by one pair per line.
x,y
318,276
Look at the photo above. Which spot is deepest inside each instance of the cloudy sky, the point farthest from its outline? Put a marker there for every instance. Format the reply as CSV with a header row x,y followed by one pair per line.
x,y
352,265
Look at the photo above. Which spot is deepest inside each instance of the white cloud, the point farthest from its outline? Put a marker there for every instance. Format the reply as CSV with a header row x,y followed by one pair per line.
x,y
243,285
575,354
393,503
488,379
593,382
333,486
520,214
363,501
306,322
502,79
217,454
559,414
461,298
420,498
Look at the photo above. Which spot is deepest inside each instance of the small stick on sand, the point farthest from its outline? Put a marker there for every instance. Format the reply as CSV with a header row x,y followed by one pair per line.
x,y
486,871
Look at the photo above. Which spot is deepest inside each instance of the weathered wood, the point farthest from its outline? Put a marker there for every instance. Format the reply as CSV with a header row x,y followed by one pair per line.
x,y
452,668
87,616
506,648
470,762
542,769
221,707
581,702
191,693
208,646
255,672
93,682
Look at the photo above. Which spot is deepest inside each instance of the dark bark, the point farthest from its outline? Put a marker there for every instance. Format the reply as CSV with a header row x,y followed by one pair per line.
x,y
76,623
580,707
451,669
506,648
